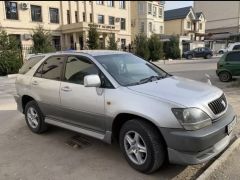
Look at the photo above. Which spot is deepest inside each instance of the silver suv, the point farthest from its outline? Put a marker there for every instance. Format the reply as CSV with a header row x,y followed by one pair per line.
x,y
116,95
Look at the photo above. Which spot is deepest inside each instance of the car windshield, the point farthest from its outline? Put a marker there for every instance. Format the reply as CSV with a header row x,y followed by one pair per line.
x,y
129,70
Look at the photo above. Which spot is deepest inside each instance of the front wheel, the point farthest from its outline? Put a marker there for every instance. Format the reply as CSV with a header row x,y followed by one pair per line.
x,y
225,76
142,146
208,56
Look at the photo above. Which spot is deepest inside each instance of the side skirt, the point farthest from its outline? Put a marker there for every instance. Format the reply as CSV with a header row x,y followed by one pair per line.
x,y
107,137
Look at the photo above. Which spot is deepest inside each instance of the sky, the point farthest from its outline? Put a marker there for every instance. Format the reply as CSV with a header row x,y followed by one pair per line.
x,y
177,4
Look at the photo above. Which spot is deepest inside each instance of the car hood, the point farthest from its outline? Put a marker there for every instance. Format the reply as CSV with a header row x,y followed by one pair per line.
x,y
182,91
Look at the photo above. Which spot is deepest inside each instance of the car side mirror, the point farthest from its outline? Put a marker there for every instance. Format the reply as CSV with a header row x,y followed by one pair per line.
x,y
92,81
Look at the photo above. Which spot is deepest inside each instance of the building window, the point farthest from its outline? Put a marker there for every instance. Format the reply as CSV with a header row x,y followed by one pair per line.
x,y
123,23
200,26
160,13
100,2
123,43
110,3
161,29
149,8
68,16
56,42
84,16
100,19
36,13
76,17
154,11
111,20
188,25
150,26
122,4
140,7
142,27
11,10
91,20
54,15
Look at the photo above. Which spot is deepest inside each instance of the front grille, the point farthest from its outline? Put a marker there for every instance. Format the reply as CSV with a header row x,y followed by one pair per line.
x,y
219,105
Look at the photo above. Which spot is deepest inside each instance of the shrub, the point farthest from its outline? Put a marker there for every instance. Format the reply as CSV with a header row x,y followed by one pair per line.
x,y
141,46
10,55
171,48
155,48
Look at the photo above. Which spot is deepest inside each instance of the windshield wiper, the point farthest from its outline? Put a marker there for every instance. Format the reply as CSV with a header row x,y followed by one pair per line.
x,y
150,79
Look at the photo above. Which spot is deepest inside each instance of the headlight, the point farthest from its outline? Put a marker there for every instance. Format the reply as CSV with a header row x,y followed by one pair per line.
x,y
192,118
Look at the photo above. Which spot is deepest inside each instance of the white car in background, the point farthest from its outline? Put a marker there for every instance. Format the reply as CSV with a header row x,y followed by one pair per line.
x,y
231,47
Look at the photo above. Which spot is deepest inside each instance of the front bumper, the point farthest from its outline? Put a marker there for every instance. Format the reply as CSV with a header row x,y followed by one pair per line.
x,y
194,147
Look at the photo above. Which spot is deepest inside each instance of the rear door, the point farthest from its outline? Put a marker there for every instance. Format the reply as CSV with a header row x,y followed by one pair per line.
x,y
232,63
46,83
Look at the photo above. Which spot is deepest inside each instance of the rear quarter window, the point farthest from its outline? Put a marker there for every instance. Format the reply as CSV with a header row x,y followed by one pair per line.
x,y
29,64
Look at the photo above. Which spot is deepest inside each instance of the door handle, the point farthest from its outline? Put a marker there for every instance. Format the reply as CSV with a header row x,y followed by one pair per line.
x,y
35,83
66,89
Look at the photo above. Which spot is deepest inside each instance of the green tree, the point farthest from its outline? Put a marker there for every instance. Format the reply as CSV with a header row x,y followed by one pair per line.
x,y
141,46
93,37
42,41
112,44
10,54
155,47
171,48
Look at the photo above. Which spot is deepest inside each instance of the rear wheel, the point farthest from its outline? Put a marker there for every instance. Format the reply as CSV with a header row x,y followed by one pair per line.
x,y
220,52
225,76
34,118
142,146
189,56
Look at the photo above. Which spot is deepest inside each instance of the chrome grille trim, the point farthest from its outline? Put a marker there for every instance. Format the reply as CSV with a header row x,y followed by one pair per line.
x,y
219,105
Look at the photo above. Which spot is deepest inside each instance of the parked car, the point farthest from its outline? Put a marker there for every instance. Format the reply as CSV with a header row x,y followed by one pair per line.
x,y
231,47
114,95
198,52
228,66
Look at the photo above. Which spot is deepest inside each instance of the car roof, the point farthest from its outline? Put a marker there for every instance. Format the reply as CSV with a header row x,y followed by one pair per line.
x,y
89,52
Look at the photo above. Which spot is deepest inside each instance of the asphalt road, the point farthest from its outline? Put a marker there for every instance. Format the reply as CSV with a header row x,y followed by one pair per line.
x,y
55,155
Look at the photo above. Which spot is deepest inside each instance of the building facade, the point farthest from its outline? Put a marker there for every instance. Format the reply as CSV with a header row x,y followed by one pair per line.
x,y
147,17
185,22
68,21
222,17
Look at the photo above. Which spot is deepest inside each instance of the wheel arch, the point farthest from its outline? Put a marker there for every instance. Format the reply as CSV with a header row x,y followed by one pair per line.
x,y
25,100
122,118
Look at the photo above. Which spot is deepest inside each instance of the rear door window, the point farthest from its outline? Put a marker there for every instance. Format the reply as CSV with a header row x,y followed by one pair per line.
x,y
29,64
233,56
51,68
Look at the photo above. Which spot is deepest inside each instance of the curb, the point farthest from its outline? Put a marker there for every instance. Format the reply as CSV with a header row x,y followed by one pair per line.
x,y
220,160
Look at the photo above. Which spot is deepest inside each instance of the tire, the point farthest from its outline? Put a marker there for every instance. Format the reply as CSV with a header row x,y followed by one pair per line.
x,y
224,76
149,137
220,52
189,56
35,118
208,56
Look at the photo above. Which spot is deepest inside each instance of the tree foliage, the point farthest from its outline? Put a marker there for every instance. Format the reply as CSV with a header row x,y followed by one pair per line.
x,y
141,46
42,41
10,54
93,37
155,48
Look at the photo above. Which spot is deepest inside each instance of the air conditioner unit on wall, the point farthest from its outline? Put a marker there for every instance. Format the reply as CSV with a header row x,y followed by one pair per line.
x,y
25,6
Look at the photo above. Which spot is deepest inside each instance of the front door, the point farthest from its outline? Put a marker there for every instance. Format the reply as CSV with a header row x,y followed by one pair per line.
x,y
82,106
